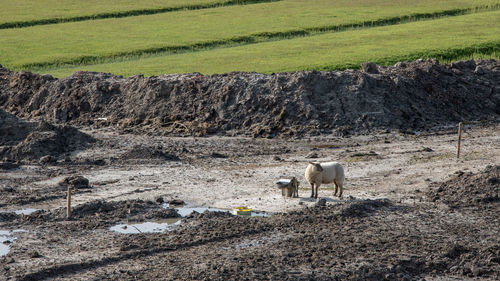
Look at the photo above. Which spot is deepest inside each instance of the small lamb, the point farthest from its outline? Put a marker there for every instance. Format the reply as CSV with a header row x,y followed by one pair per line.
x,y
324,173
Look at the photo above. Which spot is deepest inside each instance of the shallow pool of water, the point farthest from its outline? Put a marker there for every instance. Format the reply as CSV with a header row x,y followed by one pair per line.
x,y
7,238
186,210
146,227
26,211
168,224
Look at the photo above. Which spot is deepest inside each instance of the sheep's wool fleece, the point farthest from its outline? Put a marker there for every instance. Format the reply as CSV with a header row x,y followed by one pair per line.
x,y
331,171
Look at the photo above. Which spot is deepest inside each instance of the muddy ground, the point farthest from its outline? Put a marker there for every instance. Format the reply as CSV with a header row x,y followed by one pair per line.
x,y
411,210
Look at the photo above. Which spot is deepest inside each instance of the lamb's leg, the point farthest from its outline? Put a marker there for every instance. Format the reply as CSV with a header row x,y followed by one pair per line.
x,y
316,186
336,187
341,187
312,190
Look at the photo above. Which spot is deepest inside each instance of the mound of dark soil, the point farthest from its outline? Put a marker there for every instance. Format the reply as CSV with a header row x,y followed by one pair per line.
x,y
23,140
469,189
409,96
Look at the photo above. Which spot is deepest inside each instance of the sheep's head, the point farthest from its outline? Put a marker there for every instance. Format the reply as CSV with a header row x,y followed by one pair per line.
x,y
316,167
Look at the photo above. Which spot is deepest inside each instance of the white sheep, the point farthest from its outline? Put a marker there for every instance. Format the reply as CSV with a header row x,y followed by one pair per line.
x,y
325,173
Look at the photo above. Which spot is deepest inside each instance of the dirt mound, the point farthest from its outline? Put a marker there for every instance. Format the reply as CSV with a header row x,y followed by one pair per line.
x,y
23,140
409,96
365,208
469,189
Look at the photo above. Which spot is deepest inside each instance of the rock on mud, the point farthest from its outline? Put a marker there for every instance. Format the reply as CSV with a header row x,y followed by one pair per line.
x,y
75,182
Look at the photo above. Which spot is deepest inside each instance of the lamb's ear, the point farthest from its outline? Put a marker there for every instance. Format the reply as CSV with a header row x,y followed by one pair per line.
x,y
311,163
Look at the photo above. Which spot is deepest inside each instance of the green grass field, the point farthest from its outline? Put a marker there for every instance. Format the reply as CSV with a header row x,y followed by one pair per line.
x,y
272,36
443,38
34,12
78,41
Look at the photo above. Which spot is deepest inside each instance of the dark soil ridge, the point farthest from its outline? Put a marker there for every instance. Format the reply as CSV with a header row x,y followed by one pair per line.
x,y
410,96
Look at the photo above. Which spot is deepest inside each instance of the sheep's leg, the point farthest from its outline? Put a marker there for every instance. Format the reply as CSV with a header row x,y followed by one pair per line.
x,y
316,186
341,187
336,187
312,190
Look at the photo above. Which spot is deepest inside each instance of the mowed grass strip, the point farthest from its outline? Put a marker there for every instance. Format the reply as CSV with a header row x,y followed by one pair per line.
x,y
16,14
449,38
92,41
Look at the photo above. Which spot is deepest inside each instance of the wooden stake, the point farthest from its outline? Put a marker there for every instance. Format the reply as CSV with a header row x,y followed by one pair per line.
x,y
68,207
459,138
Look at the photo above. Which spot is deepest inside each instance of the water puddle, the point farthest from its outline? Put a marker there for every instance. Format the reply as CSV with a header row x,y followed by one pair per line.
x,y
26,211
7,238
187,210
169,224
260,214
146,227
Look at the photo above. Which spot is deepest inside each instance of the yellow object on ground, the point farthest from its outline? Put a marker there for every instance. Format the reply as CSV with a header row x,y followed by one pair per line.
x,y
242,211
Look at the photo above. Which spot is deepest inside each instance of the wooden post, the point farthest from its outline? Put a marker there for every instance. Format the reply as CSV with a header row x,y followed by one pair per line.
x,y
68,207
459,139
